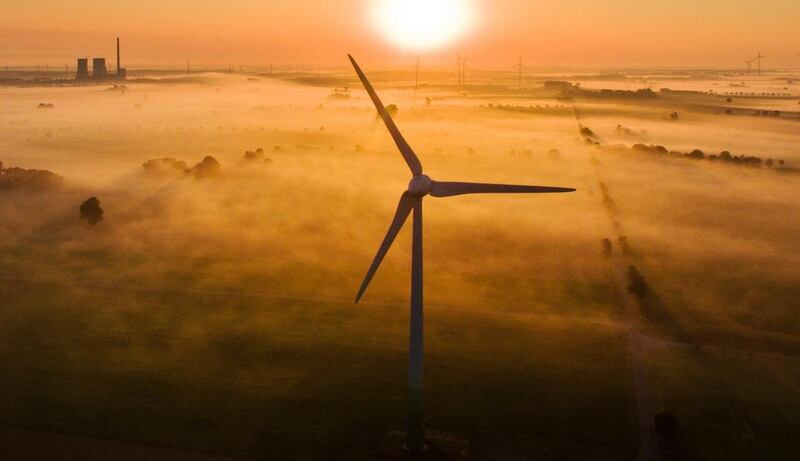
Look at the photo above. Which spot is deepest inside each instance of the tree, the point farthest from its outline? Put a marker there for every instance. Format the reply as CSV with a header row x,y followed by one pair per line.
x,y
607,248
91,211
637,286
208,168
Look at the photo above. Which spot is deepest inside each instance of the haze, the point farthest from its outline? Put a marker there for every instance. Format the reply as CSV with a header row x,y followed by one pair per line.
x,y
616,33
181,242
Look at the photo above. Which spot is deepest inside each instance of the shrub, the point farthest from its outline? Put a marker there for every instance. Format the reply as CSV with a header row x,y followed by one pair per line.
x,y
90,211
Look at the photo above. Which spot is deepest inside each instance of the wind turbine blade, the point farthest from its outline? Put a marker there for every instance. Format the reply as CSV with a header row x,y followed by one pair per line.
x,y
404,208
449,189
408,154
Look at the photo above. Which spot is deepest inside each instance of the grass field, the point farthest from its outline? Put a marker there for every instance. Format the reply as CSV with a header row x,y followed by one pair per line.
x,y
215,314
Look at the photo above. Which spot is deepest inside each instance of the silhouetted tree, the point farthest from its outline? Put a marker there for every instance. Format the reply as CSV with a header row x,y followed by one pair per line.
x,y
33,180
91,211
653,149
637,286
207,168
254,154
607,248
670,440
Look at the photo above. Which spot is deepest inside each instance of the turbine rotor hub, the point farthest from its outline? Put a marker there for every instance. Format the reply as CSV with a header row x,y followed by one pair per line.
x,y
420,185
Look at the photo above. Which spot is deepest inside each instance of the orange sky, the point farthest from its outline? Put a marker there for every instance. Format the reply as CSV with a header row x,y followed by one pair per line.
x,y
565,33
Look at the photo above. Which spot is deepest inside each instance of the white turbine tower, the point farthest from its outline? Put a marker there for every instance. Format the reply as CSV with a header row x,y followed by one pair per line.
x,y
411,200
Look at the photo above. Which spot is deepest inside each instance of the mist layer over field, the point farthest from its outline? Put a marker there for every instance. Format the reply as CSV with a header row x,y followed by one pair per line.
x,y
212,310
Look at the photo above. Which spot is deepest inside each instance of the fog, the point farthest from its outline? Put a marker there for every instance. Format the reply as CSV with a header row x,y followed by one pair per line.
x,y
218,283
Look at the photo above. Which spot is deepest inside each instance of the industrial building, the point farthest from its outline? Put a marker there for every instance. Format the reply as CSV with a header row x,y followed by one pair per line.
x,y
99,70
83,69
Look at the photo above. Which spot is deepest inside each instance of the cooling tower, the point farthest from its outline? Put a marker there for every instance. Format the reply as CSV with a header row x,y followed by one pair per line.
x,y
99,71
83,69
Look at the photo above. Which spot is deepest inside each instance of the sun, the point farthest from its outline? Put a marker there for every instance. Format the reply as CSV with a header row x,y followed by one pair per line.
x,y
419,25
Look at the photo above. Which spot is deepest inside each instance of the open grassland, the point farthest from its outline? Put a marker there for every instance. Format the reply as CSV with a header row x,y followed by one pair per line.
x,y
215,313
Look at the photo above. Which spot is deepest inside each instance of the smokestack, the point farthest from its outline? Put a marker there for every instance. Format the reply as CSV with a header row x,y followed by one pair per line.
x,y
121,73
118,66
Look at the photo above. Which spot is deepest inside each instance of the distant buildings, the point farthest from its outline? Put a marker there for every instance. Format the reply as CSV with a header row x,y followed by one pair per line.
x,y
99,70
83,69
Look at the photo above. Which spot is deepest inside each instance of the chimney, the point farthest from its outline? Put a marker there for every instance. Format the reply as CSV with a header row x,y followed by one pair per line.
x,y
118,66
121,73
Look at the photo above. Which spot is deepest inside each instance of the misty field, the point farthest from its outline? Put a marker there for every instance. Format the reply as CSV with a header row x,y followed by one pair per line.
x,y
211,309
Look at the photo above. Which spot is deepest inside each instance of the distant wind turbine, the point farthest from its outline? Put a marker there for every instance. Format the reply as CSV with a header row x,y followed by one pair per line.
x,y
748,62
462,67
411,200
520,67
758,58
416,75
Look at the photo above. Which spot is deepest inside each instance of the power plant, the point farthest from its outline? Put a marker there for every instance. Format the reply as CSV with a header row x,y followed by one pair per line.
x,y
99,70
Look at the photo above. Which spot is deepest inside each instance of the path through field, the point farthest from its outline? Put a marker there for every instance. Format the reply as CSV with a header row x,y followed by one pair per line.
x,y
619,266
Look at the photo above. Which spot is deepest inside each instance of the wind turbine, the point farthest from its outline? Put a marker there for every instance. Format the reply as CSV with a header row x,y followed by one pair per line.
x,y
462,67
411,200
758,58
416,75
748,62
519,67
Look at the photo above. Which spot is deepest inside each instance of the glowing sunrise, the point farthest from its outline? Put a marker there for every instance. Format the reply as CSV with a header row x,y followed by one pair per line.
x,y
399,230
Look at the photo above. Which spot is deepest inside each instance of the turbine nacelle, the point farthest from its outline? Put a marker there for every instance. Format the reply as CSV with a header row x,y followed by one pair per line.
x,y
420,185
